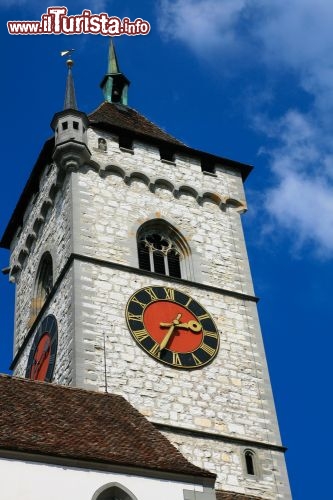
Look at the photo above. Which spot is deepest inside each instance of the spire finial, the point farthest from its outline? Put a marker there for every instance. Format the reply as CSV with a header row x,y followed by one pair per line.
x,y
113,66
70,99
114,84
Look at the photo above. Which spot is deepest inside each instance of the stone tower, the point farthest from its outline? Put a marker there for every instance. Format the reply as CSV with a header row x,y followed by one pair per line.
x,y
132,277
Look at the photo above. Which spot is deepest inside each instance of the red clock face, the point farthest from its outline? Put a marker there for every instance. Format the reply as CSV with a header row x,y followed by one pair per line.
x,y
159,316
43,351
172,327
41,359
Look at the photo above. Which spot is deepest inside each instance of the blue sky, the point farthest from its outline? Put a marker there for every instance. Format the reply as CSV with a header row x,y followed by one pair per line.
x,y
251,80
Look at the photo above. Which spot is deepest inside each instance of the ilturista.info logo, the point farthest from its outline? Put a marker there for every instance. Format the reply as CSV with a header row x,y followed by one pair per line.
x,y
56,21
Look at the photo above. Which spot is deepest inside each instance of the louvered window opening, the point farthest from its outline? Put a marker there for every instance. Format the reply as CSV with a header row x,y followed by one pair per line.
x,y
159,254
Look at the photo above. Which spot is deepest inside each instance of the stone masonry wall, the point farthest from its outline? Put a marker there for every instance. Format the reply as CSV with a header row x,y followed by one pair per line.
x,y
134,188
227,461
230,396
53,235
61,305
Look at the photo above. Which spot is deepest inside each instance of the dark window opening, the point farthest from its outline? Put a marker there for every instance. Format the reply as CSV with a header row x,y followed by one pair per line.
x,y
65,126
174,264
249,463
144,259
167,154
76,125
159,265
125,142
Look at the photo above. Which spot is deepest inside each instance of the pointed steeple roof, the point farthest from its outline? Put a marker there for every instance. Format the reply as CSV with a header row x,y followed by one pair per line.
x,y
114,84
70,99
113,65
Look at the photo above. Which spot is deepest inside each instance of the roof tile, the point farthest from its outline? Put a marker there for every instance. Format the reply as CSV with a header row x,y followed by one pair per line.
x,y
37,417
128,118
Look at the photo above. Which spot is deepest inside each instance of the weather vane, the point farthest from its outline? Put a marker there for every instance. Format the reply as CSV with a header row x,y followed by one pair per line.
x,y
68,54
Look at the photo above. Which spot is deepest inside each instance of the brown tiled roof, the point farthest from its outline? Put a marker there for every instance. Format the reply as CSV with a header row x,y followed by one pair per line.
x,y
53,420
129,119
229,495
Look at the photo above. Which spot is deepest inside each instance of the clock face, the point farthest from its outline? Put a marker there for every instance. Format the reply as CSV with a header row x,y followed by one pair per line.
x,y
43,351
172,327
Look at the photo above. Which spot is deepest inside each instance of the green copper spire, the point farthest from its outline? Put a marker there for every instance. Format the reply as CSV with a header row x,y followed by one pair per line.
x,y
70,99
113,66
114,84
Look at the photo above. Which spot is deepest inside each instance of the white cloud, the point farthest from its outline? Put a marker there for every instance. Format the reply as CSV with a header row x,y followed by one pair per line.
x,y
301,200
201,24
280,35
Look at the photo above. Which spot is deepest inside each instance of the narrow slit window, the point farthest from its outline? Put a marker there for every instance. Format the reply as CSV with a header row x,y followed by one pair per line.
x,y
249,462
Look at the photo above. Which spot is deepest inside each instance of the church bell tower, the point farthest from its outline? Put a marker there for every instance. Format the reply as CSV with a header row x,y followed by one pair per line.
x,y
132,277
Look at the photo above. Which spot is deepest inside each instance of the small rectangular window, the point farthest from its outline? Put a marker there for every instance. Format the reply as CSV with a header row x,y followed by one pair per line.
x,y
76,125
125,142
65,126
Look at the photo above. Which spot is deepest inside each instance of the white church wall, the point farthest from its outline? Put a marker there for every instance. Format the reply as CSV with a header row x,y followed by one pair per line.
x,y
30,480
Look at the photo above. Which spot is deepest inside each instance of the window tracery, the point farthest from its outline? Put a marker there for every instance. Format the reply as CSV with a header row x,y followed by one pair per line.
x,y
159,253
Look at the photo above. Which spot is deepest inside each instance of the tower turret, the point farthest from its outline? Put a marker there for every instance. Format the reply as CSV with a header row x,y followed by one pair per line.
x,y
70,127
114,84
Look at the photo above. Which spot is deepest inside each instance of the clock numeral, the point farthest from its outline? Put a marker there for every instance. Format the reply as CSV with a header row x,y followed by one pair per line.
x,y
155,350
210,334
203,316
196,360
135,317
137,301
209,350
188,302
151,293
140,335
169,293
176,359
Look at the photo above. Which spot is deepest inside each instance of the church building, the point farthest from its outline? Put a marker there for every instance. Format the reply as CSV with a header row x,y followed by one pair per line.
x,y
139,371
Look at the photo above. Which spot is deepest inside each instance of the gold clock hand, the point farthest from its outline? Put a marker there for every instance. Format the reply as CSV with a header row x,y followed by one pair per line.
x,y
195,326
170,332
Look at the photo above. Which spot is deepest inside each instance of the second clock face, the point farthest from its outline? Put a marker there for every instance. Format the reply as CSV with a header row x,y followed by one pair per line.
x,y
43,351
172,327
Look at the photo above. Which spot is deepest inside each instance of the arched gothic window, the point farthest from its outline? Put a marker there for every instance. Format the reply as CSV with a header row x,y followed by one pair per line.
x,y
161,249
250,462
43,285
114,492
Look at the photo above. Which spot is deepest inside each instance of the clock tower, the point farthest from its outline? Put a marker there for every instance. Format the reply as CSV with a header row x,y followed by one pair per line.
x,y
132,278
